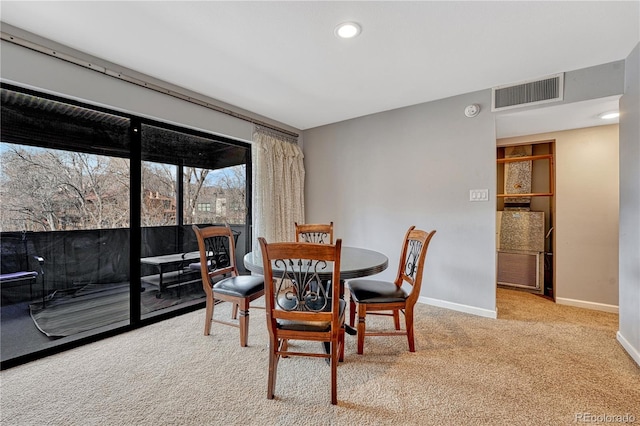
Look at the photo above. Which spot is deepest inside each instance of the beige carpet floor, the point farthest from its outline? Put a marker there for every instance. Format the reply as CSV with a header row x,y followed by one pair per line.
x,y
538,364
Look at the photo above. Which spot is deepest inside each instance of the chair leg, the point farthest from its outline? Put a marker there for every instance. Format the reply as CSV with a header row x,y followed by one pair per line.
x,y
352,312
44,293
273,367
362,313
396,318
244,322
334,372
341,343
234,311
208,315
408,316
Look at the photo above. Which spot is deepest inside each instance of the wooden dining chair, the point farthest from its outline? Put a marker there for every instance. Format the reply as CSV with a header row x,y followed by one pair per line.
x,y
390,297
238,289
297,309
321,233
314,233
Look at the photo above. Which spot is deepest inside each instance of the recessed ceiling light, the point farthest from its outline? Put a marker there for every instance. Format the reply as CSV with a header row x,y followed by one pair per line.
x,y
609,115
347,30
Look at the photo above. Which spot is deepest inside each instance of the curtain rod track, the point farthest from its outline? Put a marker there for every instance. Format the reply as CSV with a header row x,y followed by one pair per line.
x,y
51,52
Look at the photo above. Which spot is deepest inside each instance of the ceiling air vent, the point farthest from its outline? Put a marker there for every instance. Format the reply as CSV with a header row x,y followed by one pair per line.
x,y
532,92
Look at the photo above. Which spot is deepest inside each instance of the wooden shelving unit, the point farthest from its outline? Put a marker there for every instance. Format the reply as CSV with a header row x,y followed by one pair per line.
x,y
548,157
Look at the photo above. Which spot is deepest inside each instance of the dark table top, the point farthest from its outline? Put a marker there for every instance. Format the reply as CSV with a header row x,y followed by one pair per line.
x,y
354,263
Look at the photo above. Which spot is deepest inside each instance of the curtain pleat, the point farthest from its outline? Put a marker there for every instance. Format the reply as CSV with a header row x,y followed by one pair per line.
x,y
278,187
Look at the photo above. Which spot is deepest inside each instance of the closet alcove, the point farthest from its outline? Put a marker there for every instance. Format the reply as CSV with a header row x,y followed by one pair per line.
x,y
524,218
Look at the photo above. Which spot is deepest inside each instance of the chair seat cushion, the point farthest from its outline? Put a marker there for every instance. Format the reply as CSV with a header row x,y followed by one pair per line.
x,y
373,291
312,325
241,286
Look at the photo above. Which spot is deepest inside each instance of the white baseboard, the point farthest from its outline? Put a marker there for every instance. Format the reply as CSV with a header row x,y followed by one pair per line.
x,y
588,305
633,352
487,313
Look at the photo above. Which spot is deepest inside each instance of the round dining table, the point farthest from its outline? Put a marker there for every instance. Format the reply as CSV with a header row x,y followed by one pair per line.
x,y
355,262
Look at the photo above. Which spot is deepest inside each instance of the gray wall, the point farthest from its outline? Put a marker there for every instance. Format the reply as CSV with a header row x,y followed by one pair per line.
x,y
629,333
375,176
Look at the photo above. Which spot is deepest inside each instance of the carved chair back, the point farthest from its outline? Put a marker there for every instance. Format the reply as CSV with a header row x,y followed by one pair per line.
x,y
314,233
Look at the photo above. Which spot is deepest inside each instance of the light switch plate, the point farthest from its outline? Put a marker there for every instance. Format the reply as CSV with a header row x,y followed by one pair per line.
x,y
478,195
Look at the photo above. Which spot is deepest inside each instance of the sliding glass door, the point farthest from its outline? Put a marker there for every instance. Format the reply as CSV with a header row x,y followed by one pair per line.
x,y
187,179
97,208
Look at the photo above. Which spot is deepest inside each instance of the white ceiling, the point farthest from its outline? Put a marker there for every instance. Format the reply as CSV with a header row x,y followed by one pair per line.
x,y
282,60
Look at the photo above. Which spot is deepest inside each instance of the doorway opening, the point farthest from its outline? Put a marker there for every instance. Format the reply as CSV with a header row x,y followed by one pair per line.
x,y
525,217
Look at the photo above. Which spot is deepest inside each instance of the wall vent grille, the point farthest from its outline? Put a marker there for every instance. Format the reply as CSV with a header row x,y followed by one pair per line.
x,y
523,270
548,89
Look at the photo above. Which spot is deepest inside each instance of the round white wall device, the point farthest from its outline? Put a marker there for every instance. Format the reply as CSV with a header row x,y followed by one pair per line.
x,y
472,110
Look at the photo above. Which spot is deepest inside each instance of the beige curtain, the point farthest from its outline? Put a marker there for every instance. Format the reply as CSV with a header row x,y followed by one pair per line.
x,y
278,186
